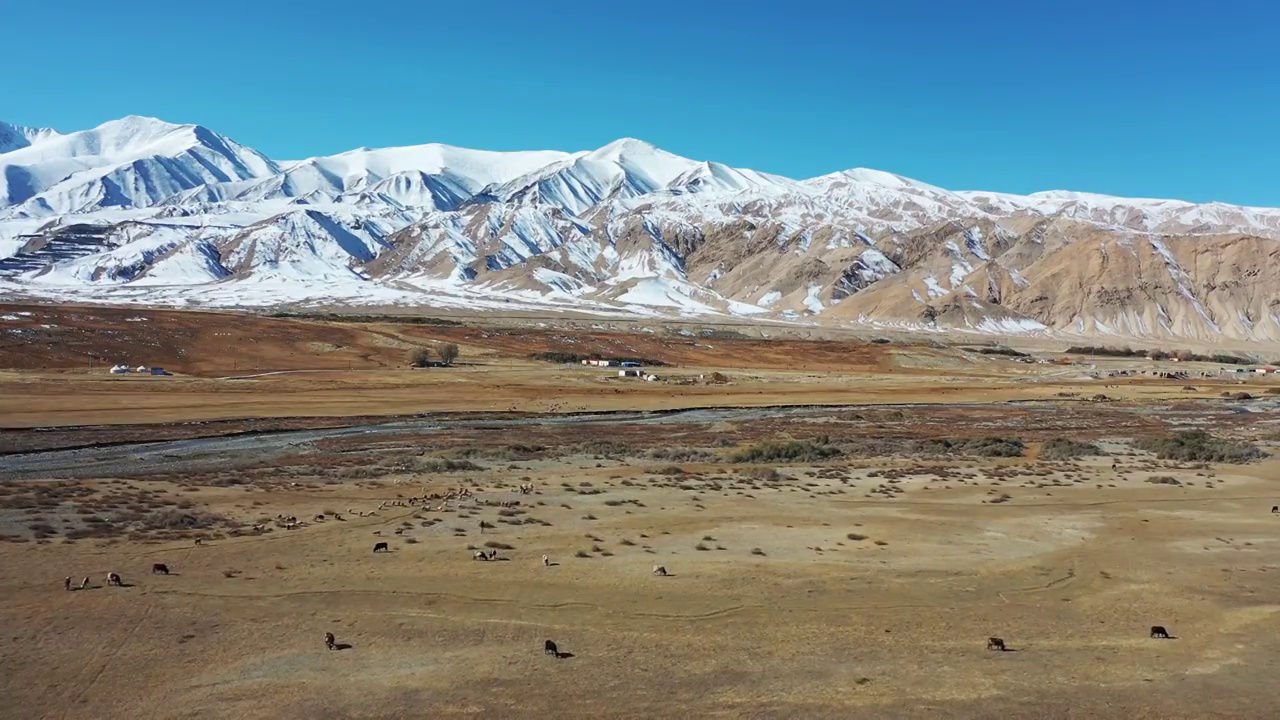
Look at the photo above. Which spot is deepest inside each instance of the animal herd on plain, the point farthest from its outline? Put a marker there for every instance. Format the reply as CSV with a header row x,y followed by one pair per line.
x,y
550,648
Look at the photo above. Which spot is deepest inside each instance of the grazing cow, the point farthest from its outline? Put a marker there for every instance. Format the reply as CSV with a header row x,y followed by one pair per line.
x,y
330,641
546,561
113,579
199,541
84,584
319,518
660,570
996,644
480,555
159,569
1275,509
1158,631
381,547
66,584
549,648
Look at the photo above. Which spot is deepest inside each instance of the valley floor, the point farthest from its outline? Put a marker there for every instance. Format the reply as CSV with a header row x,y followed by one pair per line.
x,y
846,554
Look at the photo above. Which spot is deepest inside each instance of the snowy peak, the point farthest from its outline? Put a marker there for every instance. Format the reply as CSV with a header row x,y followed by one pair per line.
x,y
16,137
141,210
466,170
132,162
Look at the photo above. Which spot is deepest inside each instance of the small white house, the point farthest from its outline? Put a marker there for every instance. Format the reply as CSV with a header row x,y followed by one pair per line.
x,y
119,369
628,373
651,378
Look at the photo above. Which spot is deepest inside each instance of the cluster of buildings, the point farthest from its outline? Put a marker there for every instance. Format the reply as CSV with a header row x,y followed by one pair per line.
x,y
611,363
141,370
637,373
630,369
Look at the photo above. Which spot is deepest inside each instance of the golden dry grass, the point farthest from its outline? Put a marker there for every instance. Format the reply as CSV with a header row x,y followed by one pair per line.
x,y
854,630
858,604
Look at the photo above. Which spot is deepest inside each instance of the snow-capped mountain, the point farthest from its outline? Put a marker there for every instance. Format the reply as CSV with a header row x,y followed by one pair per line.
x,y
16,137
140,210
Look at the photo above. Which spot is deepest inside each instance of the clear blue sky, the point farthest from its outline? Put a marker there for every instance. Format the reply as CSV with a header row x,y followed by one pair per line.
x,y
1146,98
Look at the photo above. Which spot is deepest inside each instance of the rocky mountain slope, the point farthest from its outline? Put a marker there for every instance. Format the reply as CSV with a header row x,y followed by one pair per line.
x,y
139,210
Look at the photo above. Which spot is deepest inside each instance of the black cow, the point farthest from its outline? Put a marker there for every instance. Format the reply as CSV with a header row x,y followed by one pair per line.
x,y
549,648
1275,509
995,644
330,641
1158,631
159,569
381,547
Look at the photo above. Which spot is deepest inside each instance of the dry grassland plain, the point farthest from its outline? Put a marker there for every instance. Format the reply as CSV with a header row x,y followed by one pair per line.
x,y
844,524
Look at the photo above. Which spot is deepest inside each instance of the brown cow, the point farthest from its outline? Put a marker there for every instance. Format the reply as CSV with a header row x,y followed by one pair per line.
x,y
1158,631
996,643
159,569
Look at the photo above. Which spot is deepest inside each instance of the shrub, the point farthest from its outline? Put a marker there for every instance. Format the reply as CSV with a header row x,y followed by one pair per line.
x,y
605,448
448,353
1199,446
445,465
981,447
1000,350
420,357
576,358
680,454
757,551
1163,480
764,474
582,554
856,536
1064,449
498,546
793,451
701,547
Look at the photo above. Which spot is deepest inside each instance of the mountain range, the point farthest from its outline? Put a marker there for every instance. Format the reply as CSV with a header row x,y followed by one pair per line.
x,y
138,210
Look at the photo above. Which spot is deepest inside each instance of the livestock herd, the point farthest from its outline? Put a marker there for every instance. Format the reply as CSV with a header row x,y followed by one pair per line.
x,y
550,648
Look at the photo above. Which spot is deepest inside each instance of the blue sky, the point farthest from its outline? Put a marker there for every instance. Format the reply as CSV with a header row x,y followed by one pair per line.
x,y
1127,97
